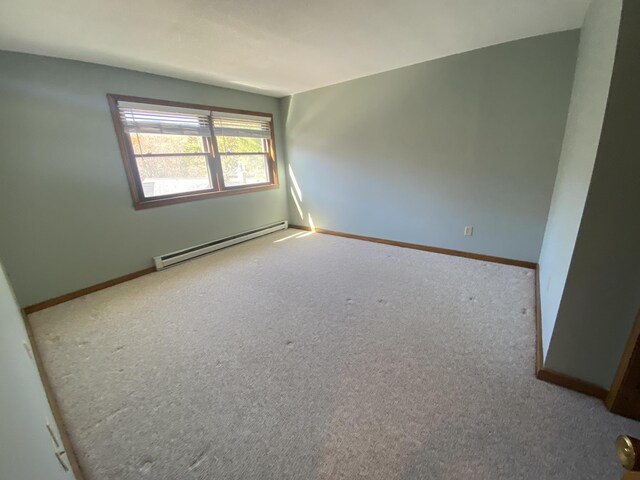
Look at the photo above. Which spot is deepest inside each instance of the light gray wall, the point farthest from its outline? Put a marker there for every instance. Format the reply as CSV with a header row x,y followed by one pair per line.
x,y
66,214
602,293
26,451
586,113
417,153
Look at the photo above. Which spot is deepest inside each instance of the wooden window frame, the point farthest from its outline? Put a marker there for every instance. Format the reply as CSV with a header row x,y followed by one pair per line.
x,y
213,157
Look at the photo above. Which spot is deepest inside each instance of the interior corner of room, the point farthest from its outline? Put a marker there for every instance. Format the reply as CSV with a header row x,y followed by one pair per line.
x,y
520,154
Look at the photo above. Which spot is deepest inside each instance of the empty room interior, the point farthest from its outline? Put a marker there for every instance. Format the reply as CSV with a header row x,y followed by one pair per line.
x,y
320,240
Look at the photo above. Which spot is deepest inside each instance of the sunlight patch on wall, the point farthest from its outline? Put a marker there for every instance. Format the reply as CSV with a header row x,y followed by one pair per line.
x,y
295,183
296,194
295,199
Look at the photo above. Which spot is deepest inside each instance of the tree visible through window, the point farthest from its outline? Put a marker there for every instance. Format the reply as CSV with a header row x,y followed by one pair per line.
x,y
244,160
169,164
175,152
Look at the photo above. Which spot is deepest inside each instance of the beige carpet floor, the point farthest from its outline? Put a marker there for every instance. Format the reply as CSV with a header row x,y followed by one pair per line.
x,y
306,356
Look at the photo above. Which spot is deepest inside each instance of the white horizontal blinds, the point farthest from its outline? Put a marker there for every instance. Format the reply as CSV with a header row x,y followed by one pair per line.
x,y
158,119
239,125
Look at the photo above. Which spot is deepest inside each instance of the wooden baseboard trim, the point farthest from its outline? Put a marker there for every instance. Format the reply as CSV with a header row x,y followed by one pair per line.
x,y
426,248
109,283
539,354
84,291
556,378
620,399
572,383
53,402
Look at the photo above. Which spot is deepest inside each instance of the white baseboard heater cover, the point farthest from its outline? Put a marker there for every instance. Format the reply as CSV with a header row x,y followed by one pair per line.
x,y
169,259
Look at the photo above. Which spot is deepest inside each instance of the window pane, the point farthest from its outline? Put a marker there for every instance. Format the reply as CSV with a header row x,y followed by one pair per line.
x,y
244,169
173,174
144,143
241,144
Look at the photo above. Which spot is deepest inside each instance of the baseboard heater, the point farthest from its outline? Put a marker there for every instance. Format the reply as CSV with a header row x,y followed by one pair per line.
x,y
170,259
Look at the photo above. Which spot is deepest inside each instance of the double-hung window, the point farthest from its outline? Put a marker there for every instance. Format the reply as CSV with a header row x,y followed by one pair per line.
x,y
175,152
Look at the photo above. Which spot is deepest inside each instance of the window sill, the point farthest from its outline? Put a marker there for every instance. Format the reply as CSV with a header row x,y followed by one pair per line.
x,y
159,202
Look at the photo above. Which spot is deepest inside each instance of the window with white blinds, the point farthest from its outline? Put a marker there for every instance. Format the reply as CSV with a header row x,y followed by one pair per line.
x,y
139,118
241,126
177,152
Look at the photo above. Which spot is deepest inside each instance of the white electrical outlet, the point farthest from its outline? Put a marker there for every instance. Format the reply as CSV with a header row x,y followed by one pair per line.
x,y
468,230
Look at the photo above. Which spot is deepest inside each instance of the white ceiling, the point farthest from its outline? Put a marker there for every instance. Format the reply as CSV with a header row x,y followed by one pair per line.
x,y
274,47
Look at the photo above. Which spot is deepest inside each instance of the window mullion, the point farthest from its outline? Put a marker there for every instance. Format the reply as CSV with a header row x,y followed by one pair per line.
x,y
271,158
215,160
